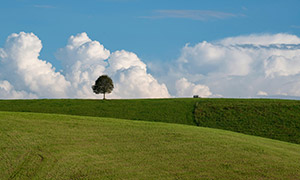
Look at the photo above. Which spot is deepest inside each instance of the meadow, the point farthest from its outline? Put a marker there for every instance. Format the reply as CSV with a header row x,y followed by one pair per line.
x,y
276,119
52,146
271,118
160,110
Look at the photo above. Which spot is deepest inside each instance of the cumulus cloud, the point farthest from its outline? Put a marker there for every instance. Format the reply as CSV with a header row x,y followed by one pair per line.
x,y
21,66
124,60
242,66
24,75
85,60
7,91
185,88
282,65
207,58
132,79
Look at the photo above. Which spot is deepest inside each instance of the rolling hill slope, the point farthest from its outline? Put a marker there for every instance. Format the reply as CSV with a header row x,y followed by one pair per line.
x,y
51,146
276,119
161,110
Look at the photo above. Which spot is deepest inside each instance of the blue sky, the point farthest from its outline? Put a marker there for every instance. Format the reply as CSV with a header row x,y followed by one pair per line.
x,y
138,25
178,48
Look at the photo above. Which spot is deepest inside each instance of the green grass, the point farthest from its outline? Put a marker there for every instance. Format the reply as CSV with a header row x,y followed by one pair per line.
x,y
276,119
160,110
50,146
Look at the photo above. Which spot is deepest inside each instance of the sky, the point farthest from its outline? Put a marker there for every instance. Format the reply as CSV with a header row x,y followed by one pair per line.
x,y
151,48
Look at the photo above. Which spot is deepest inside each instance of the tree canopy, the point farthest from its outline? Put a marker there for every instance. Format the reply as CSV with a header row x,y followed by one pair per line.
x,y
103,85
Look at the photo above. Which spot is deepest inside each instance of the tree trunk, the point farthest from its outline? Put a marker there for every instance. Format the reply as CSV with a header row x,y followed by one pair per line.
x,y
103,96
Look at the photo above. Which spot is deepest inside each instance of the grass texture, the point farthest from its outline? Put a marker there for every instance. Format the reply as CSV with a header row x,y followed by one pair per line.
x,y
276,119
160,110
50,146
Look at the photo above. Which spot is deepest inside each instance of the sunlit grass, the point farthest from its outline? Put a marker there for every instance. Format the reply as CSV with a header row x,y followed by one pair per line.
x,y
277,119
44,146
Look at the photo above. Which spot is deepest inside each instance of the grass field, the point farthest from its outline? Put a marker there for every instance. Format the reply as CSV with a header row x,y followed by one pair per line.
x,y
276,119
161,110
50,146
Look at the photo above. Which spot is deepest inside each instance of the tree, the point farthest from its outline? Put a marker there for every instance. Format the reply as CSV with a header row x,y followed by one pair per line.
x,y
103,85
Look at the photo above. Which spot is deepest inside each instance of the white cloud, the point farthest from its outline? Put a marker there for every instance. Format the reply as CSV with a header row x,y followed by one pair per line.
x,y
132,79
282,66
124,60
24,75
207,58
261,39
241,66
21,66
262,93
85,60
185,88
7,91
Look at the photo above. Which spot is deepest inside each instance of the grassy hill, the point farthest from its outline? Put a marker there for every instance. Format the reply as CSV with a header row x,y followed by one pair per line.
x,y
276,119
161,110
50,146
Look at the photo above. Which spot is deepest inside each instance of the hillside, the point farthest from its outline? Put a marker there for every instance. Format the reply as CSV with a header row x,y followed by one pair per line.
x,y
276,119
161,110
50,146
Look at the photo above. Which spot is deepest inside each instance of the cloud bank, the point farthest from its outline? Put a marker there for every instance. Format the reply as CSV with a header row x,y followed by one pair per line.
x,y
244,66
24,75
25,72
258,65
185,88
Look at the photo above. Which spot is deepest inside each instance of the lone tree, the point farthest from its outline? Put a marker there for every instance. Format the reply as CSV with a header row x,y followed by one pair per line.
x,y
103,85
